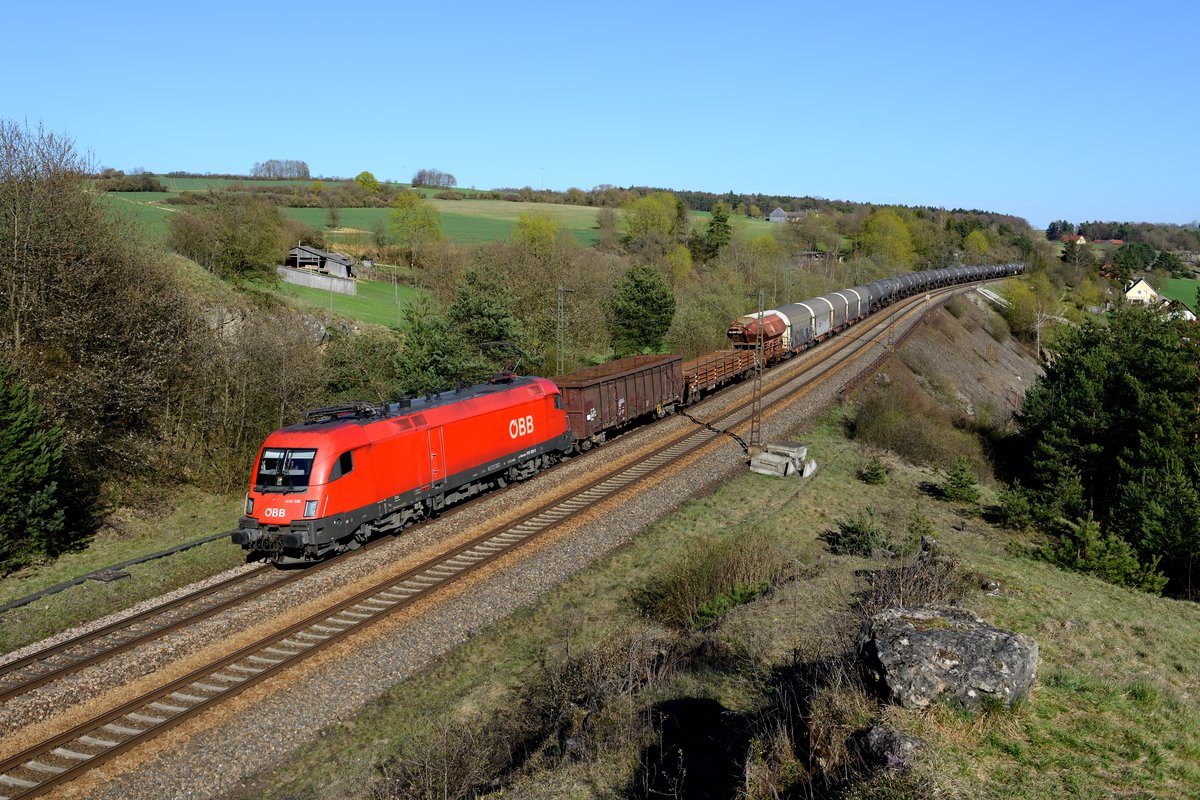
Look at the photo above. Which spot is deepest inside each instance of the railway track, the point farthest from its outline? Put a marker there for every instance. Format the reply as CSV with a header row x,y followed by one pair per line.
x,y
37,669
25,674
83,747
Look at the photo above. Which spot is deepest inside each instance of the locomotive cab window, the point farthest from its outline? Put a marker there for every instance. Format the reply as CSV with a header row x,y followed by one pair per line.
x,y
342,466
558,401
281,470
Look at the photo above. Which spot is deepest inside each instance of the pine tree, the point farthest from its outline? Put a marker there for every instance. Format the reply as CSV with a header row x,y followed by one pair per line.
x,y
32,519
1111,430
641,311
486,327
720,232
960,485
432,357
1082,547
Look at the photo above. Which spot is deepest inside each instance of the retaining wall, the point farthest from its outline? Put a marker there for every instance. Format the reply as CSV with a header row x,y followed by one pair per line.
x,y
317,280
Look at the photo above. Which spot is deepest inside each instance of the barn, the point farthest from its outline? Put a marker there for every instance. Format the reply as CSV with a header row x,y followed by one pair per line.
x,y
310,258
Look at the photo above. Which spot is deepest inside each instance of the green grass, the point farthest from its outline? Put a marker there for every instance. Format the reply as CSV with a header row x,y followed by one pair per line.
x,y
363,219
743,227
1183,289
159,524
188,184
478,221
375,302
144,209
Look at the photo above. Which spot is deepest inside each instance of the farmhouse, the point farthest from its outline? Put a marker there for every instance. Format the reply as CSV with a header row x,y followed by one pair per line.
x,y
779,215
310,258
1139,292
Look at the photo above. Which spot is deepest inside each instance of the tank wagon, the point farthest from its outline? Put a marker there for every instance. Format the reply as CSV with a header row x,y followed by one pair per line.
x,y
795,327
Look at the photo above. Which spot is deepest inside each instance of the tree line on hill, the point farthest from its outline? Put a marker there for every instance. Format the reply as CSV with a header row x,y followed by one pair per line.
x,y
335,193
280,168
115,180
1160,236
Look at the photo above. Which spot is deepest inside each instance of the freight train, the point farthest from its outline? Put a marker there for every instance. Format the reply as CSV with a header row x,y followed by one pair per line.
x,y
795,327
347,473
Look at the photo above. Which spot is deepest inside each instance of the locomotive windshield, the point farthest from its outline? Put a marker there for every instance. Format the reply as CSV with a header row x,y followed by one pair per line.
x,y
282,470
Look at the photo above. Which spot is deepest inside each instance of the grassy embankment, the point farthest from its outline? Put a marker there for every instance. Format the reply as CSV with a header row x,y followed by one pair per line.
x,y
377,302
162,520
1115,711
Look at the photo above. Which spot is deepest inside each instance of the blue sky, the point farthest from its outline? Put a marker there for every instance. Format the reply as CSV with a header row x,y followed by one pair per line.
x,y
1045,110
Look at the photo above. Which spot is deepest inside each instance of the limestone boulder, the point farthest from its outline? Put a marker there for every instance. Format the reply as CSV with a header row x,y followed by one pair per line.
x,y
920,656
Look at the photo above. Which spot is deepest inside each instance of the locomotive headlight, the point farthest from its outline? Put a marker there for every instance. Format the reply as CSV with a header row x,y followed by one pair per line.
x,y
310,508
249,505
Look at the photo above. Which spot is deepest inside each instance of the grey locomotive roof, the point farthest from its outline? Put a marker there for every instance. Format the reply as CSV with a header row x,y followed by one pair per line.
x,y
362,413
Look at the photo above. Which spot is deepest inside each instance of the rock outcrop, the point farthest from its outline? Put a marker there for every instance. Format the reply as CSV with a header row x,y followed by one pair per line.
x,y
891,748
919,656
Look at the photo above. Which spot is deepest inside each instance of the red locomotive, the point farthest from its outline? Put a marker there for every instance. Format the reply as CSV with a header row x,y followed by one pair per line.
x,y
329,483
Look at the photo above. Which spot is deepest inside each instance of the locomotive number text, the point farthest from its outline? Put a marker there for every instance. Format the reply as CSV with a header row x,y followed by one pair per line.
x,y
521,426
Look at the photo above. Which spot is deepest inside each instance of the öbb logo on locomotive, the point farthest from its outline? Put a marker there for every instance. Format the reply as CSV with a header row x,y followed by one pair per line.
x,y
347,473
521,426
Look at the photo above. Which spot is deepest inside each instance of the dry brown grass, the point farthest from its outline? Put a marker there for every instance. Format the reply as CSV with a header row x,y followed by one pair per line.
x,y
928,577
715,576
576,708
900,416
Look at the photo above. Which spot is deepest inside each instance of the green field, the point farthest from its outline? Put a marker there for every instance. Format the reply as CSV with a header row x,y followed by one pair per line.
x,y
463,221
184,184
743,227
363,219
1182,289
145,209
479,221
376,301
